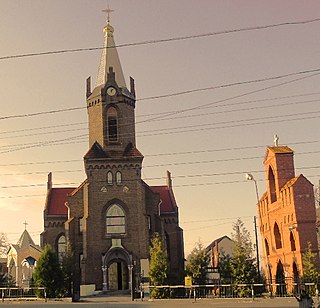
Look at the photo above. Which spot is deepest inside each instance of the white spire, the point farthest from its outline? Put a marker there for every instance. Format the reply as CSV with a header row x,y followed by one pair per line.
x,y
110,58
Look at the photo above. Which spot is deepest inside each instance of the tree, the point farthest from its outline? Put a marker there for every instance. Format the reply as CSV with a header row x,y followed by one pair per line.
x,y
224,268
158,266
309,261
68,270
197,264
48,273
242,265
4,245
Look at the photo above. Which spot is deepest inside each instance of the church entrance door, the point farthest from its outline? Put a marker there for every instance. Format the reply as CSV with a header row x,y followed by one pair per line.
x,y
118,276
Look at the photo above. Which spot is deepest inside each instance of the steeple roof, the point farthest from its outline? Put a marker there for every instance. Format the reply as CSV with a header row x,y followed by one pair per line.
x,y
25,240
110,58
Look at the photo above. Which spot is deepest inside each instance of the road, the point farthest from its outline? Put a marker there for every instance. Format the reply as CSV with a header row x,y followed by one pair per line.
x,y
123,302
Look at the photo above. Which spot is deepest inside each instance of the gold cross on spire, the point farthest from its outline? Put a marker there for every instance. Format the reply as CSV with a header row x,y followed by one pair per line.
x,y
108,11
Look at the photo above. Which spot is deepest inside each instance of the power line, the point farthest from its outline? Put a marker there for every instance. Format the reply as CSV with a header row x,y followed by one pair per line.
x,y
172,39
166,119
182,176
235,97
170,131
317,71
168,154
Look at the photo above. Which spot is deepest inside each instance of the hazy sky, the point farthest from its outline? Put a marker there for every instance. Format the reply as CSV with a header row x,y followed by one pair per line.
x,y
209,148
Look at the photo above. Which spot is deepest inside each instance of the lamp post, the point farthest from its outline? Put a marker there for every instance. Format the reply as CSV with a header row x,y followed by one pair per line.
x,y
250,177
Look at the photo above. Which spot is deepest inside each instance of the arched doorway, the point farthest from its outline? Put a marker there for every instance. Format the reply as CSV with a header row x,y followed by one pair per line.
x,y
118,276
115,268
280,280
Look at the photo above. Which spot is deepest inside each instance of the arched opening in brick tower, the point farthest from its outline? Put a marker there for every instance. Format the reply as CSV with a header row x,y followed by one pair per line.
x,y
292,242
272,185
295,277
280,280
277,236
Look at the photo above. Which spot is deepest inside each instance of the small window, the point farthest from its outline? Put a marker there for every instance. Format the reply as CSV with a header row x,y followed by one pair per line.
x,y
149,222
118,177
115,220
80,224
112,119
109,178
62,247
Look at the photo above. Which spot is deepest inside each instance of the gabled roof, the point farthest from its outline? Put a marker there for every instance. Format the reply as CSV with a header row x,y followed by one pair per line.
x,y
96,151
278,150
25,241
218,240
294,180
131,151
168,203
56,200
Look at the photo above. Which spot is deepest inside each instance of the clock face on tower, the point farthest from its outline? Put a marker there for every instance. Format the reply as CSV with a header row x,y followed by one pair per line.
x,y
111,91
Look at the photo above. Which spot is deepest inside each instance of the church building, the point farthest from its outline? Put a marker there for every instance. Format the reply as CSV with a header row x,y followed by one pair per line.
x,y
21,260
287,218
108,221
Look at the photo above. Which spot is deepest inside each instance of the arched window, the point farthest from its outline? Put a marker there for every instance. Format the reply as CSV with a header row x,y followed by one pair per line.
x,y
115,220
292,242
109,178
62,247
277,236
267,247
272,185
112,119
118,177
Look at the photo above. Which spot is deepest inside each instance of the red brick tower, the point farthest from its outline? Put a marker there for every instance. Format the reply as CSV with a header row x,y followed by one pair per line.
x,y
287,217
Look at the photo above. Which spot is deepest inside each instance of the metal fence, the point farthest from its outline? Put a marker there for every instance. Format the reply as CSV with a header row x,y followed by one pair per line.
x,y
232,290
16,293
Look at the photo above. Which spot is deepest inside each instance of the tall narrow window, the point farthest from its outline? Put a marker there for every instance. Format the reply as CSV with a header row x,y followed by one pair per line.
x,y
62,247
292,242
115,220
267,247
118,177
109,178
272,186
277,236
112,118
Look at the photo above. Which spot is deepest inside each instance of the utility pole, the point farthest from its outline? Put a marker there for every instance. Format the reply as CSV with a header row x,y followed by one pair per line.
x,y
257,247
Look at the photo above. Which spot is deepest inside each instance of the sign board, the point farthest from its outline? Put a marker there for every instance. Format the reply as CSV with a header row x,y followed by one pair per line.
x,y
188,281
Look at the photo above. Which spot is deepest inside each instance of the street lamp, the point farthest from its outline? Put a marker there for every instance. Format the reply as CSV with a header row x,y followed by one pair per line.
x,y
250,177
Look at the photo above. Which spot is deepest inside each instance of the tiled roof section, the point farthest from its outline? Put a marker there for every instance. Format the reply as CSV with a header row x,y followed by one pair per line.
x,y
280,150
168,204
25,240
131,151
218,240
291,182
96,151
57,198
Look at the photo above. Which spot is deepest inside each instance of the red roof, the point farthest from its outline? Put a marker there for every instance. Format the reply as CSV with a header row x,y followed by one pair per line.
x,y
57,198
168,203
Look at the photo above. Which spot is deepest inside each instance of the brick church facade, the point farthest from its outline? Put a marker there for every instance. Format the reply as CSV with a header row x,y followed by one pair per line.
x,y
110,218
287,217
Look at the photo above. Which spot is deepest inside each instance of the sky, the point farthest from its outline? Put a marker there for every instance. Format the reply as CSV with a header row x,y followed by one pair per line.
x,y
210,137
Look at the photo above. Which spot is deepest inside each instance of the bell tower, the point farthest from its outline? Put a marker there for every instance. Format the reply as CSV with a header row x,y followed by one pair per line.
x,y
111,105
